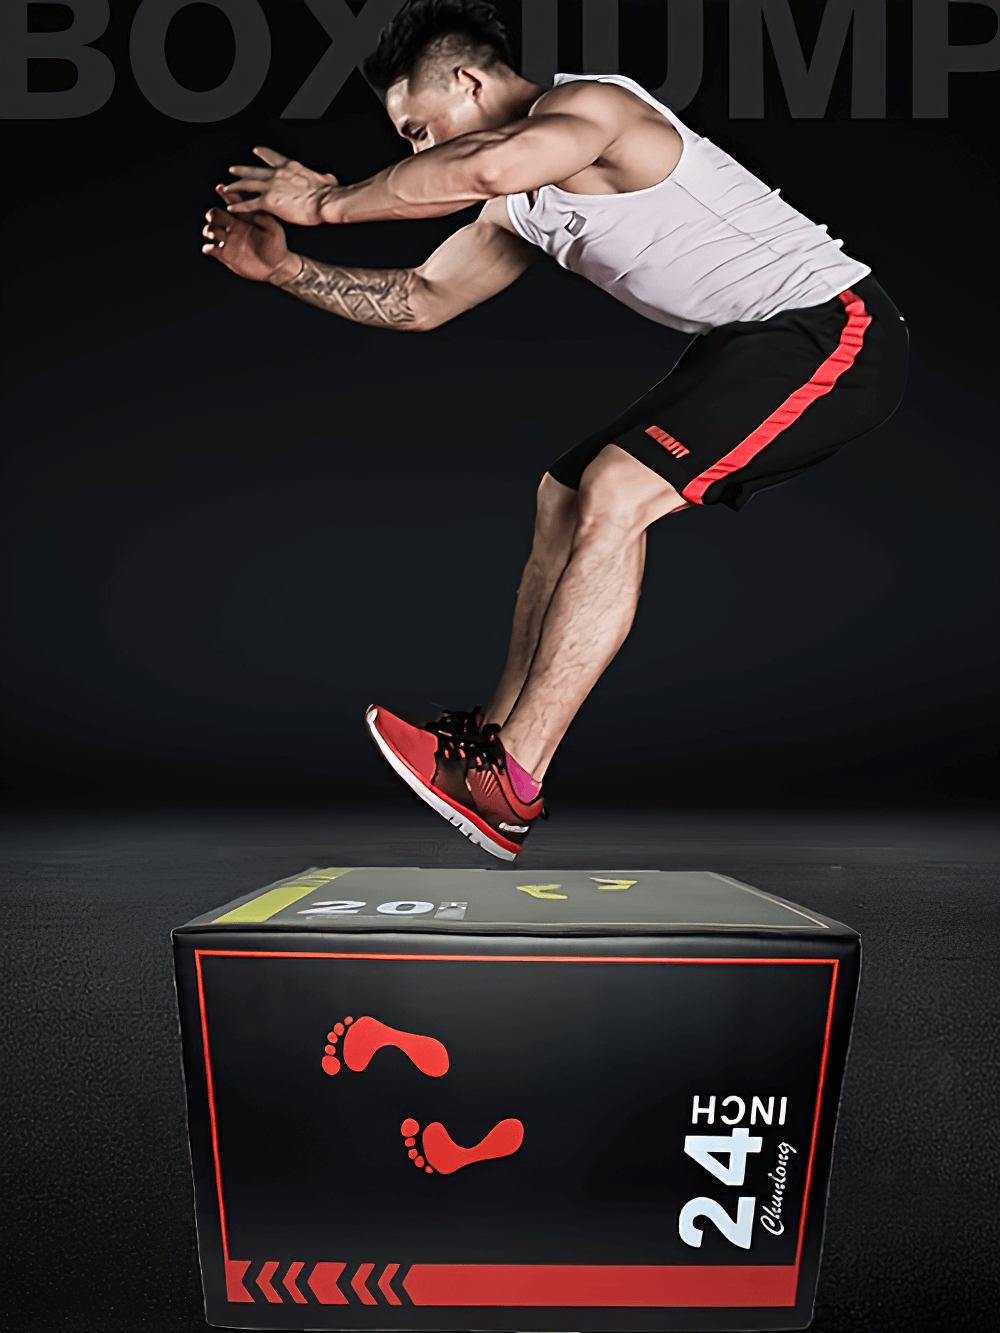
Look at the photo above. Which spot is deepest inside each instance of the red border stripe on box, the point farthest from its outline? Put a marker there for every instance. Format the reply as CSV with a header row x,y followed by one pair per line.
x,y
539,1285
596,1285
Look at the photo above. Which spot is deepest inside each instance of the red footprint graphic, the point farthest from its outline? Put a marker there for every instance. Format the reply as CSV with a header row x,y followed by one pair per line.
x,y
367,1035
441,1153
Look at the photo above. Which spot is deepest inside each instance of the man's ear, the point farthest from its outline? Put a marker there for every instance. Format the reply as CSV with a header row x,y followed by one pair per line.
x,y
470,82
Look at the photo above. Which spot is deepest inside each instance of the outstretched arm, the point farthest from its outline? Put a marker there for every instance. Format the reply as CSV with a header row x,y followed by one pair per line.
x,y
472,265
570,129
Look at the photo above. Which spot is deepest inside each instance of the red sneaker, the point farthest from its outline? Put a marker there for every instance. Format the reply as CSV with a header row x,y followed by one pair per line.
x,y
461,775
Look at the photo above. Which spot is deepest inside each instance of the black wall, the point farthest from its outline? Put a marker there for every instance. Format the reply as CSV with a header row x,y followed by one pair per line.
x,y
233,521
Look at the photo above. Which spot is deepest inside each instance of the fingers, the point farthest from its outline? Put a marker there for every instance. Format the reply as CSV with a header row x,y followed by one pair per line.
x,y
236,203
216,237
222,218
217,229
248,174
236,193
216,248
271,157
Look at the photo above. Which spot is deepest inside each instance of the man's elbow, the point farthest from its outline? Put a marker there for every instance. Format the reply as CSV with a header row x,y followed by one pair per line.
x,y
491,180
430,308
422,321
493,171
429,320
420,312
416,320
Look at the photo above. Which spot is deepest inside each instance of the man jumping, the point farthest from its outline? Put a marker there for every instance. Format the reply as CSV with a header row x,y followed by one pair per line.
x,y
799,349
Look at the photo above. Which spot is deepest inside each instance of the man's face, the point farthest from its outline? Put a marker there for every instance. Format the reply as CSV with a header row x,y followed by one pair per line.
x,y
432,113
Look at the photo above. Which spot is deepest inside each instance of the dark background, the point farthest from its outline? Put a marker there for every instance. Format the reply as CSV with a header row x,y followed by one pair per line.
x,y
233,521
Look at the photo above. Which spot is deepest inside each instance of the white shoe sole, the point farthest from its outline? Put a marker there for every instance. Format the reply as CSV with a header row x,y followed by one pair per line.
x,y
464,825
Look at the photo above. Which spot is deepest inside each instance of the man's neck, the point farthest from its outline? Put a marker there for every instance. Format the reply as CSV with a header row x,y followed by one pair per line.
x,y
520,97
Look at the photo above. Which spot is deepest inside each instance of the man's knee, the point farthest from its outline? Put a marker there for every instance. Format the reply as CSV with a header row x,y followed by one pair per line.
x,y
558,508
620,493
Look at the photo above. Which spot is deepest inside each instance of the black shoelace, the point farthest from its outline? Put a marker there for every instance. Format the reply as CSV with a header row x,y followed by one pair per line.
x,y
481,749
454,722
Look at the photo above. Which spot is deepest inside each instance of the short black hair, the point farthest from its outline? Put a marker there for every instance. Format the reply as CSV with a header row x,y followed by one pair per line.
x,y
422,22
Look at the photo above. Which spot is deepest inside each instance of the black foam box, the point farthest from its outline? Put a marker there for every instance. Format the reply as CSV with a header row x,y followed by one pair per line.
x,y
478,1099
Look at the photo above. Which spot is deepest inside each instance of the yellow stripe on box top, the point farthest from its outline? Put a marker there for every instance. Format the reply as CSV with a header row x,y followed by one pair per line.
x,y
282,895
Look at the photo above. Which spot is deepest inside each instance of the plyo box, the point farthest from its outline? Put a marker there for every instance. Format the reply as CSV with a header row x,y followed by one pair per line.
x,y
485,1099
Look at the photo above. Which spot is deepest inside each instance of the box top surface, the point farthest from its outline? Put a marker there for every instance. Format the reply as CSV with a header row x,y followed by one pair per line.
x,y
546,902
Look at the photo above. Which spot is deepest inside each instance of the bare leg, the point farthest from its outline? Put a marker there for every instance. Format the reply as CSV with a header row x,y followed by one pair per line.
x,y
593,606
555,523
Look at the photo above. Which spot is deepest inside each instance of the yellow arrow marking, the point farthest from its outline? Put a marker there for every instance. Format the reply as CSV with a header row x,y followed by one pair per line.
x,y
541,890
613,885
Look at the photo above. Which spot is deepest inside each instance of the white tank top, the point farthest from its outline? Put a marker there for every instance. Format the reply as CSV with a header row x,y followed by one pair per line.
x,y
708,245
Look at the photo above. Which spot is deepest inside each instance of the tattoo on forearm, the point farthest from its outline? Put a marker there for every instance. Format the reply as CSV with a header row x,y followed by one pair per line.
x,y
381,297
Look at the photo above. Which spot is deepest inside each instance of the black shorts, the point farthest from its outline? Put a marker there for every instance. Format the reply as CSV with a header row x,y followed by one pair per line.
x,y
749,405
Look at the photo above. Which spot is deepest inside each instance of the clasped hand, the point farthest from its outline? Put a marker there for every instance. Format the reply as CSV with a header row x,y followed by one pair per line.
x,y
284,188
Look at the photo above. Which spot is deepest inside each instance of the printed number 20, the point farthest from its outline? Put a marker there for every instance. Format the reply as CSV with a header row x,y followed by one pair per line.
x,y
336,907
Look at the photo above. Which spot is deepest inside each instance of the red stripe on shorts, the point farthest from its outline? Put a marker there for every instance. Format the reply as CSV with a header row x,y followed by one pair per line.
x,y
851,339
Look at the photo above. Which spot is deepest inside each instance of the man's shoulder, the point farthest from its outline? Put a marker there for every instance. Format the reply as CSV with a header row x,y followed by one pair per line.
x,y
590,98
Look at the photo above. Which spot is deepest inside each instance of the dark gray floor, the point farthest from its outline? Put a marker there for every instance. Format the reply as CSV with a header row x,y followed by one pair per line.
x,y
98,1195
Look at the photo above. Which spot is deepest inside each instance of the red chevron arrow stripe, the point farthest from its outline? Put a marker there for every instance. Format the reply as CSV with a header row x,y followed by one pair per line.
x,y
264,1281
383,1284
358,1283
323,1280
235,1290
289,1282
